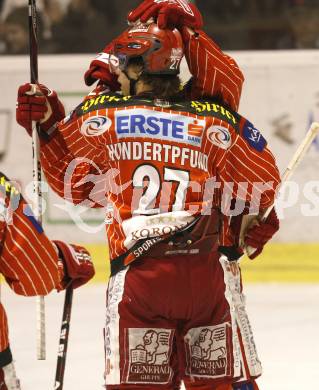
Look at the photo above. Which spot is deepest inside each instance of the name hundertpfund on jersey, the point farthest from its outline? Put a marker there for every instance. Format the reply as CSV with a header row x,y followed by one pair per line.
x,y
149,151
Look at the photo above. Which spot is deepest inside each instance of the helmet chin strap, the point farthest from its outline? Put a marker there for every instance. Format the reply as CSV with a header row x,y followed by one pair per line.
x,y
133,83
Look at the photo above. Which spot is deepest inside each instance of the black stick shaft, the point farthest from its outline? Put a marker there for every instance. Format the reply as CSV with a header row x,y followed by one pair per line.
x,y
34,78
64,338
33,39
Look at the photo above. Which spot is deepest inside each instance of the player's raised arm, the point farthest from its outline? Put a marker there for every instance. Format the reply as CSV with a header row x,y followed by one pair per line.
x,y
214,72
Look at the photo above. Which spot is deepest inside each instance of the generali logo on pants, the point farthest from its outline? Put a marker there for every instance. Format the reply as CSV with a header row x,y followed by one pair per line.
x,y
149,354
207,351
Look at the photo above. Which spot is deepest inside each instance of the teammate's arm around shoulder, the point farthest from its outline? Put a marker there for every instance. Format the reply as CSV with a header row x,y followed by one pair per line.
x,y
214,72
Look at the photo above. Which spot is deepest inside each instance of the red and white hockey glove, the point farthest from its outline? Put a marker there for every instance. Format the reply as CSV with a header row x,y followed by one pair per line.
x,y
38,103
78,265
169,14
257,236
101,69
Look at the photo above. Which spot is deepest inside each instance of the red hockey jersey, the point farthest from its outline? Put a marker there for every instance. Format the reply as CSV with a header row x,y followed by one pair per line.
x,y
155,166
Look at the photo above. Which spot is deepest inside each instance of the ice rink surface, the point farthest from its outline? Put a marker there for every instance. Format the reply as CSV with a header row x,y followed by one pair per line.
x,y
285,320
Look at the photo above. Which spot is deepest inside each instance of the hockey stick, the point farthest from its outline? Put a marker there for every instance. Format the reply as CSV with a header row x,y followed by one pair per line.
x,y
64,338
33,38
293,164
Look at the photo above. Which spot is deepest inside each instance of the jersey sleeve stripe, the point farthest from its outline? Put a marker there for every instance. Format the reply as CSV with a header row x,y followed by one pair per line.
x,y
22,284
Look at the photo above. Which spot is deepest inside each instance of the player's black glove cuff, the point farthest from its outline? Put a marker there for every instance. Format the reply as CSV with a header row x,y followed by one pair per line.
x,y
233,253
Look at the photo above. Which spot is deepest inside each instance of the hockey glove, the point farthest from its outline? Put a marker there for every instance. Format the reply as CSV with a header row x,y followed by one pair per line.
x,y
40,104
257,236
169,14
101,69
78,266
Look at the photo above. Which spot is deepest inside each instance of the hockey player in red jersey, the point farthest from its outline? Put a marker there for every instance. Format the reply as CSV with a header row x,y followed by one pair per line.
x,y
214,74
31,264
100,69
157,152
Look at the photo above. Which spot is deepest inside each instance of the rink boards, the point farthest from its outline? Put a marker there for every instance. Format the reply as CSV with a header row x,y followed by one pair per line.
x,y
292,263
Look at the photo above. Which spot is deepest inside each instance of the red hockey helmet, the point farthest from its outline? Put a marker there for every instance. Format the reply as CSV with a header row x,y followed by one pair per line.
x,y
161,50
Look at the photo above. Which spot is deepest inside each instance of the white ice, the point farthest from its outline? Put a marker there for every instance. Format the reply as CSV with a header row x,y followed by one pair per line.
x,y
285,320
